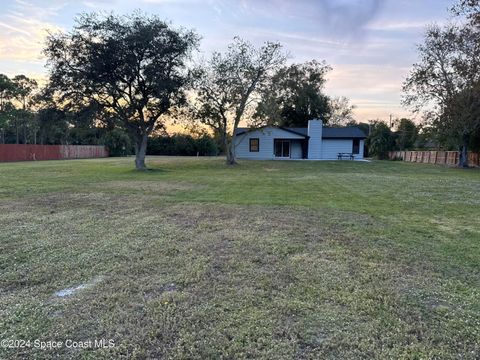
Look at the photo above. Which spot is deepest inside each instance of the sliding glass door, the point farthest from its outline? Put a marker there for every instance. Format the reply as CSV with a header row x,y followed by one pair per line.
x,y
282,148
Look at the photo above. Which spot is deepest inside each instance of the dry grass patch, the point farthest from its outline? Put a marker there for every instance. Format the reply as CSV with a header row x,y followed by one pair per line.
x,y
210,281
155,187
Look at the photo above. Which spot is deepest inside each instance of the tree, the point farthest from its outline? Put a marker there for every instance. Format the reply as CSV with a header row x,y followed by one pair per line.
x,y
341,111
406,134
470,9
380,139
118,142
7,118
227,87
6,89
53,125
443,82
295,95
132,67
16,106
23,91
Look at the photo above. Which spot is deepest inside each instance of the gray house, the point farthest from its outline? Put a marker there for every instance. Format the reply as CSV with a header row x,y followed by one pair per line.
x,y
315,142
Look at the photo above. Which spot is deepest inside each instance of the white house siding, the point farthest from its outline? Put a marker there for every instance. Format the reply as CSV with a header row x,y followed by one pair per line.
x,y
296,150
331,148
266,137
315,142
362,147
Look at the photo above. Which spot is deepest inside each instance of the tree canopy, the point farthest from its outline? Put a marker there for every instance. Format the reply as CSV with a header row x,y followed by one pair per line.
x,y
294,95
133,67
341,111
444,83
380,139
406,134
227,86
16,109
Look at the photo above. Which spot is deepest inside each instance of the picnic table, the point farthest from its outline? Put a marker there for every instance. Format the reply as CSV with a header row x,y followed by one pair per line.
x,y
348,156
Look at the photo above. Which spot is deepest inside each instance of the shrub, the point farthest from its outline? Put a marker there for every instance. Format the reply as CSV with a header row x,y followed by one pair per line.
x,y
118,143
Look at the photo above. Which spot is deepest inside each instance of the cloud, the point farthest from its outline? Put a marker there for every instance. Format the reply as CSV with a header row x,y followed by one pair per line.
x,y
400,25
341,18
171,2
349,16
24,28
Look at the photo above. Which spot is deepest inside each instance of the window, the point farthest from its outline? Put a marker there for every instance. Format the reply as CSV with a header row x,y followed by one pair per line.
x,y
356,146
282,148
254,145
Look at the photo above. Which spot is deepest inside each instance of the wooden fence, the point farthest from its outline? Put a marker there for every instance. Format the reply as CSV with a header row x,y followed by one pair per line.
x,y
21,152
434,157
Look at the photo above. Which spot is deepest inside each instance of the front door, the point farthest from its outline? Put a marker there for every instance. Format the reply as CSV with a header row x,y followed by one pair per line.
x,y
282,148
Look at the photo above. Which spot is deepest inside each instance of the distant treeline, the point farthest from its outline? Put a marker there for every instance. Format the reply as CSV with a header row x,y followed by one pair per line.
x,y
183,145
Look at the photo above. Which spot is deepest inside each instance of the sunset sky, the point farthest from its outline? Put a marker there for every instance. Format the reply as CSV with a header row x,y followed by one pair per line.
x,y
369,43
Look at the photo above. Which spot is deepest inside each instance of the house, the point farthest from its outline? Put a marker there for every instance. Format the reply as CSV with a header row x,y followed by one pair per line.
x,y
315,142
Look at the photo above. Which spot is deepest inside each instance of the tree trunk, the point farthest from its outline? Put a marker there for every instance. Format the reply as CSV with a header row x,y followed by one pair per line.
x,y
230,152
140,152
463,159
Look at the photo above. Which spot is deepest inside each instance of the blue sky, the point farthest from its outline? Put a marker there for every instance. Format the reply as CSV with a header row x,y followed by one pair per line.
x,y
369,43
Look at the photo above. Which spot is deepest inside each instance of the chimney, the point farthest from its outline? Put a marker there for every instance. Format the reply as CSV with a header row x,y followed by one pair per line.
x,y
315,141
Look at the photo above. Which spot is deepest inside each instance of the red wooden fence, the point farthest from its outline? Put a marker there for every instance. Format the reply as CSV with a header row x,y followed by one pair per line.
x,y
434,157
21,152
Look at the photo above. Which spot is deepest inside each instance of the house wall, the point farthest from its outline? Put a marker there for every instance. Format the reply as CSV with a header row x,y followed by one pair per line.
x,y
296,150
362,148
331,148
315,141
266,137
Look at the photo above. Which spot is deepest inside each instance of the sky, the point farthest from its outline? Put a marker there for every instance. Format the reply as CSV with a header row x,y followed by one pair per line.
x,y
370,44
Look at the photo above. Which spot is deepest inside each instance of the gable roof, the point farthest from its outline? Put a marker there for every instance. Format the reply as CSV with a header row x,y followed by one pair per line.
x,y
348,132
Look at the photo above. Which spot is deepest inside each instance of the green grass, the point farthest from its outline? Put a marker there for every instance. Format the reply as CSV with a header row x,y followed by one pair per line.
x,y
264,260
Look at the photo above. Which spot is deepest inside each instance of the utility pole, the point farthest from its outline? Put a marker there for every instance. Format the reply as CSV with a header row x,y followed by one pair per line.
x,y
391,121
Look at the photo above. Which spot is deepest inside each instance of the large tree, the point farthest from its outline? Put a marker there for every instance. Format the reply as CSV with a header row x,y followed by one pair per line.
x,y
16,103
406,134
341,111
23,91
133,67
295,95
444,82
470,9
6,87
228,85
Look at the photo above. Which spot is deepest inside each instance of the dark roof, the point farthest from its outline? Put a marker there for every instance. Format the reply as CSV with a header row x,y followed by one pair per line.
x,y
296,131
242,130
343,132
348,132
303,131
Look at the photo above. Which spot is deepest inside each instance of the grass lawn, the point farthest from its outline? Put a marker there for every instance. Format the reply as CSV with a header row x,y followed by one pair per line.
x,y
265,260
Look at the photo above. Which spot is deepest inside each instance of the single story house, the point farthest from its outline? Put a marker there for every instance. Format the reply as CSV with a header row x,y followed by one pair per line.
x,y
314,142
